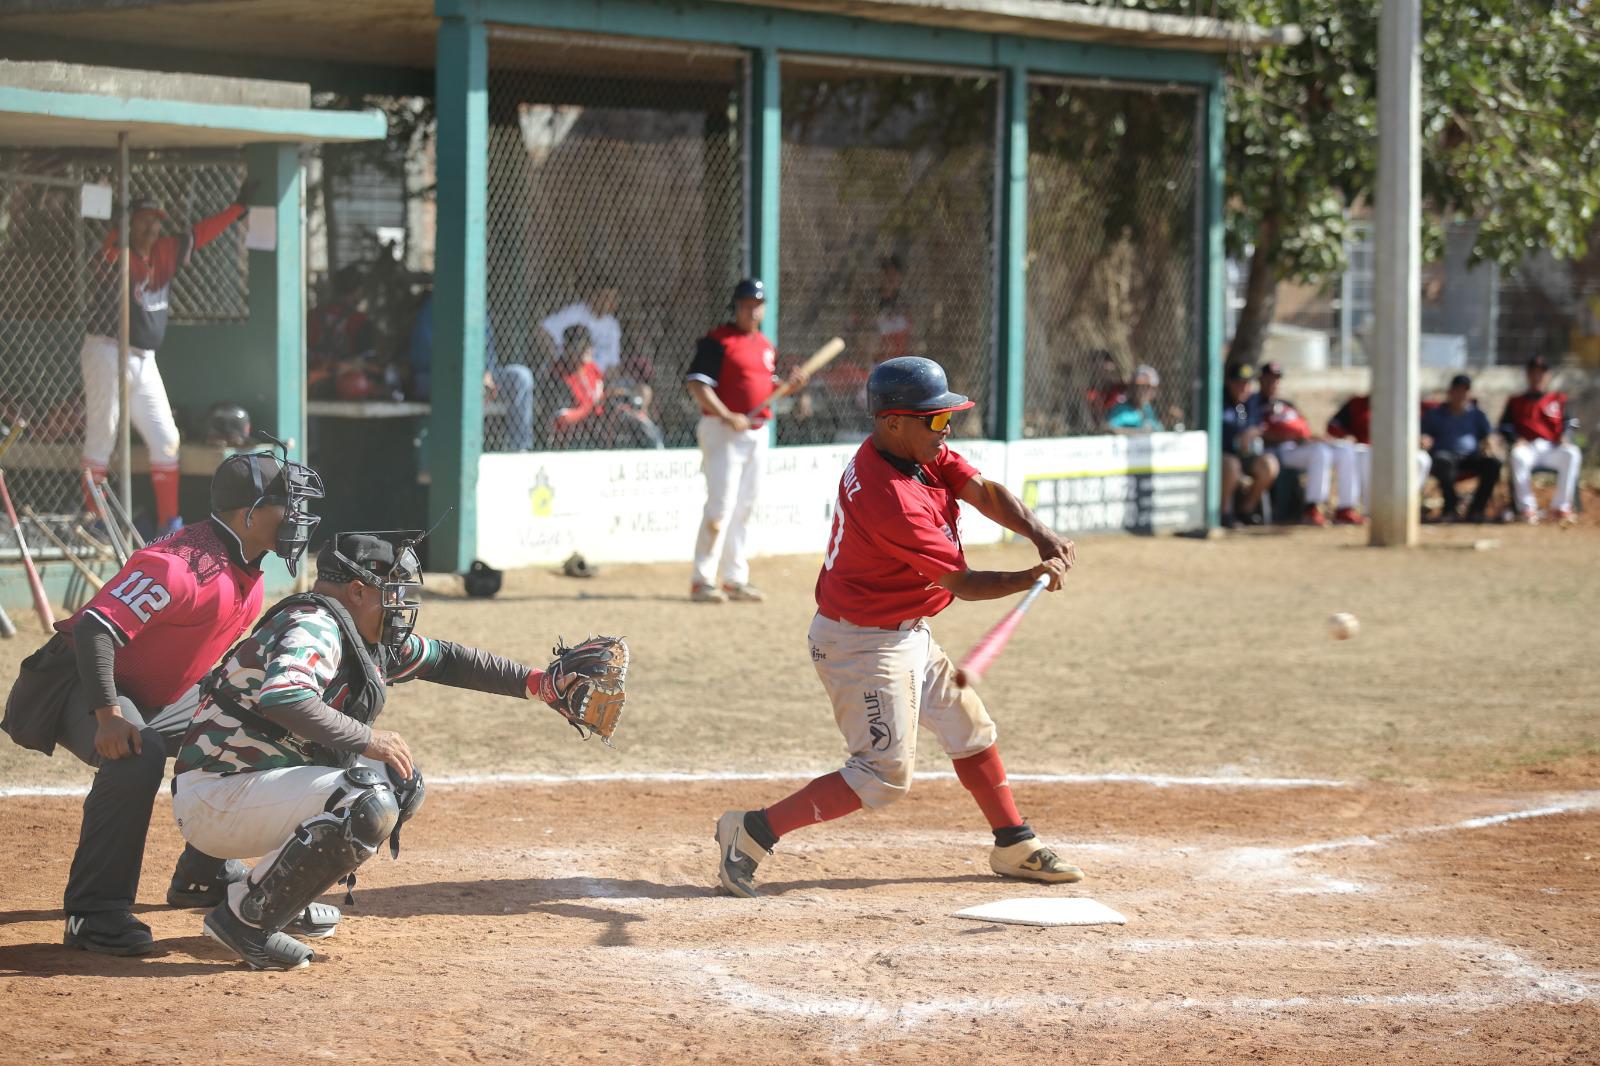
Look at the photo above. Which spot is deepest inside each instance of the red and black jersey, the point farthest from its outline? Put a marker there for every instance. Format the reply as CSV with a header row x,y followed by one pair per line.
x,y
738,366
150,281
1535,416
1353,421
1283,424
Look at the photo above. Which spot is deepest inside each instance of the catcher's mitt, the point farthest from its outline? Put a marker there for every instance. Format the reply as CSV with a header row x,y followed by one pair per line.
x,y
585,683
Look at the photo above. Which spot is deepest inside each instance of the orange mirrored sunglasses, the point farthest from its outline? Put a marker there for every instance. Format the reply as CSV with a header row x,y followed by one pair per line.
x,y
937,422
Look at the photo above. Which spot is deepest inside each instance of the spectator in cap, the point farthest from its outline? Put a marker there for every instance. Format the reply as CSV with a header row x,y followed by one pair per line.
x,y
1535,425
1243,453
1288,437
1136,413
1456,434
153,262
1351,426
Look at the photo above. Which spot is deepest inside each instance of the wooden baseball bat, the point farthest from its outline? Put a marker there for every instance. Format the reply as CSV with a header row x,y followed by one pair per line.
x,y
11,436
41,602
819,359
135,538
90,576
972,667
98,501
8,628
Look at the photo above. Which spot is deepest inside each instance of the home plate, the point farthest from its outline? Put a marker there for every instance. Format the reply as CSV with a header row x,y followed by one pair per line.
x,y
1075,911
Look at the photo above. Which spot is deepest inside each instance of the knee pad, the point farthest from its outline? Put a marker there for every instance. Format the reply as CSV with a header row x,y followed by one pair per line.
x,y
324,849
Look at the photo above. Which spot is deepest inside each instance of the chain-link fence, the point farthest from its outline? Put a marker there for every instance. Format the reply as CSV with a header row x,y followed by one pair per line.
x,y
888,231
58,284
1114,256
616,209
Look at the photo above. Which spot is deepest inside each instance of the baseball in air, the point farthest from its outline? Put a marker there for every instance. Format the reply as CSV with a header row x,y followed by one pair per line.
x,y
1343,626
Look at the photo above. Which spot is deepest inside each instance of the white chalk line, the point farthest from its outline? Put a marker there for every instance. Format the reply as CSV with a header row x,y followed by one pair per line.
x,y
737,776
1583,801
1512,980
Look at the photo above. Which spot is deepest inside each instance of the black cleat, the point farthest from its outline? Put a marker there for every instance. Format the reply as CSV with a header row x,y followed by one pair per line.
x,y
108,933
201,881
259,949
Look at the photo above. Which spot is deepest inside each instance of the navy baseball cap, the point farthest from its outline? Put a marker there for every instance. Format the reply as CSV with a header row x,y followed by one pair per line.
x,y
1241,372
242,480
1461,381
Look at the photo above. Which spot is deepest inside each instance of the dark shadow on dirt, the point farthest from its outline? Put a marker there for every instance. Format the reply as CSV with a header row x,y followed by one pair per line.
x,y
188,956
513,896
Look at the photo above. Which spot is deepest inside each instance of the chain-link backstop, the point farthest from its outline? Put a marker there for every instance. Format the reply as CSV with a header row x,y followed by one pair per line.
x,y
1114,253
616,207
52,267
888,232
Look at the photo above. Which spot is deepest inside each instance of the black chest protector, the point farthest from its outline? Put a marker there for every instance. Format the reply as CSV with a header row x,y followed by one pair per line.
x,y
360,672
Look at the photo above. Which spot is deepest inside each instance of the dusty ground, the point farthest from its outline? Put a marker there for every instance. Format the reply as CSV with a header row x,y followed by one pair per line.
x,y
1431,901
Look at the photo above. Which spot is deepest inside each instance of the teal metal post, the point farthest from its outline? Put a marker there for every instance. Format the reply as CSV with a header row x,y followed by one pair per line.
x,y
766,165
456,423
277,311
1013,253
1215,293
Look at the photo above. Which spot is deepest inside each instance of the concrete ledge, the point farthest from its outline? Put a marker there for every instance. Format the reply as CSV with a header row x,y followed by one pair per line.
x,y
153,85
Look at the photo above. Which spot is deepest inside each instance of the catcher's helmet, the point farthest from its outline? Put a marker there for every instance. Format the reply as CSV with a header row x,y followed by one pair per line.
x,y
481,580
229,424
750,289
911,385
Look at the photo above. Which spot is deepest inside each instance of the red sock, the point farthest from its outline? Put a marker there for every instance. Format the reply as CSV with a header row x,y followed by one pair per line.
x,y
984,775
823,800
164,480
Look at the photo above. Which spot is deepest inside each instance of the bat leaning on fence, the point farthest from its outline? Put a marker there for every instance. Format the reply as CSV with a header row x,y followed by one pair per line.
x,y
8,628
97,503
41,602
90,576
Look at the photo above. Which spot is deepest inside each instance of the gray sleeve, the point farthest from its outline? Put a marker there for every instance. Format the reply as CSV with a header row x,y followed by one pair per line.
x,y
96,649
313,720
463,667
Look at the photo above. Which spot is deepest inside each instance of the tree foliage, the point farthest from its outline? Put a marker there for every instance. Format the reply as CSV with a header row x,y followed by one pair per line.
x,y
1510,123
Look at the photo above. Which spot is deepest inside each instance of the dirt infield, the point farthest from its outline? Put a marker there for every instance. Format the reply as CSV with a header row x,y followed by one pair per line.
x,y
1379,850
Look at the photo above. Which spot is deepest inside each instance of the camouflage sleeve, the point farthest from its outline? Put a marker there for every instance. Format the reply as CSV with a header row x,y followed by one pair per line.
x,y
417,658
300,656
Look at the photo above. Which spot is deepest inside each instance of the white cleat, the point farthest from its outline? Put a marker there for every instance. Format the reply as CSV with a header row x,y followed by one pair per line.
x,y
737,856
1030,860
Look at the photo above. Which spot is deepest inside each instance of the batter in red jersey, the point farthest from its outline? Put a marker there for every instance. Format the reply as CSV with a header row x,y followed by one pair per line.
x,y
115,685
731,378
893,561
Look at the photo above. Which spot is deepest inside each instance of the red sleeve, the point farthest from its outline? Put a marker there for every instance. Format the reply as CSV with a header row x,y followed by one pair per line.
x,y
953,469
153,587
209,229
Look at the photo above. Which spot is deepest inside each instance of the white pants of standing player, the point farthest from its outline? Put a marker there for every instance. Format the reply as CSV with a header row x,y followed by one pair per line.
x,y
731,460
253,813
1564,459
1363,453
883,683
148,410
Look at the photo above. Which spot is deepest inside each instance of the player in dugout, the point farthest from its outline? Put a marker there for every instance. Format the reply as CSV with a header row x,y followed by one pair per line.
x,y
893,561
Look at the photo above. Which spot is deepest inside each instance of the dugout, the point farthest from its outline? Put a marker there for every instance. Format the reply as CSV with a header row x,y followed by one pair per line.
x,y
1046,179
69,135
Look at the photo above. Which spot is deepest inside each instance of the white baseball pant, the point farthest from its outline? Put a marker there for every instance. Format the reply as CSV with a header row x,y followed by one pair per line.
x,y
254,813
148,409
1320,462
1363,453
1564,459
882,683
732,461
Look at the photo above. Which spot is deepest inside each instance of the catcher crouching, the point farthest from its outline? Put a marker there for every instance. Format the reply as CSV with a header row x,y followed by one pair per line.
x,y
282,760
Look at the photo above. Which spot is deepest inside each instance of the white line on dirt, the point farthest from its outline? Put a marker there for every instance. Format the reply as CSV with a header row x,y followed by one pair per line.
x,y
1511,980
1583,801
673,777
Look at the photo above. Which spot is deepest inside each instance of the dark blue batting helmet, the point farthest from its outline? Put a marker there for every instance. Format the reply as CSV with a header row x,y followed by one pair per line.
x,y
911,385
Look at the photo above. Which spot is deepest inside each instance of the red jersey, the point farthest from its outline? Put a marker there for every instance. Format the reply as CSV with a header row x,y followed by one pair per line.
x,y
150,280
1353,421
174,609
1284,424
739,367
1535,416
894,536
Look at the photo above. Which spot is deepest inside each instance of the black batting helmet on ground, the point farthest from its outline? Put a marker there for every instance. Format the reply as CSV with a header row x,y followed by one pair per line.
x,y
227,423
911,385
750,289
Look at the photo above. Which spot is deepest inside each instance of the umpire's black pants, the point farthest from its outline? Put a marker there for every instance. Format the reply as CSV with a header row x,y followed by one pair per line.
x,y
116,813
1447,466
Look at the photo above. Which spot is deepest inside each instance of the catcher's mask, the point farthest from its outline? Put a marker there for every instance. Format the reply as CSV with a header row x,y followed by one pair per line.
x,y
251,481
387,561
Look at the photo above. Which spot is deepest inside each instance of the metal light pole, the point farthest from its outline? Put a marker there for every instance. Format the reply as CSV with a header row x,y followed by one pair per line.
x,y
124,267
1397,278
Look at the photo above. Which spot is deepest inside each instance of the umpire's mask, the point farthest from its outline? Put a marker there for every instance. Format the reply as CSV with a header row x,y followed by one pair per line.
x,y
249,481
386,561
